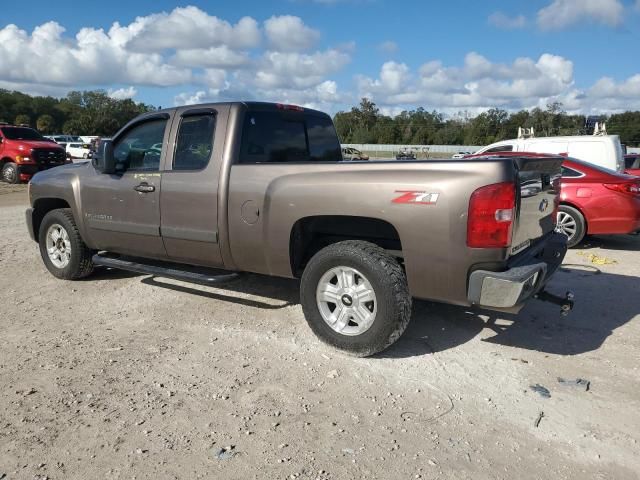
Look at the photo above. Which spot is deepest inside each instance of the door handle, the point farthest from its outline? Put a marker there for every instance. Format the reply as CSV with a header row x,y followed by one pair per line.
x,y
144,187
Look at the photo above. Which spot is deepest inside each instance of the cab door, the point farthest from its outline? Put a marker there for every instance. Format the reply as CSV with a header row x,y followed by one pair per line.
x,y
189,199
122,210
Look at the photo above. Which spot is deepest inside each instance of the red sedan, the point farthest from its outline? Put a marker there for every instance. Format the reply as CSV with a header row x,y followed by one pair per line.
x,y
597,201
593,200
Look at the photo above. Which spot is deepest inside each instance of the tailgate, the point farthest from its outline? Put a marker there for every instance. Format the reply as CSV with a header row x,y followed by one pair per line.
x,y
539,190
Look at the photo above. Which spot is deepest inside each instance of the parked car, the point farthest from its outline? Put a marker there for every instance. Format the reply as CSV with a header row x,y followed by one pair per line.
x,y
632,164
61,140
79,150
406,153
353,154
23,152
593,200
601,150
266,190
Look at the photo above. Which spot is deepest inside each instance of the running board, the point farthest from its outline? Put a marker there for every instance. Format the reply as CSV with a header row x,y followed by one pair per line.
x,y
162,269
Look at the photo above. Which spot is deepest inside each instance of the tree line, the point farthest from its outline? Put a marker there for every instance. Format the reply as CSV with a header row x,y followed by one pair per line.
x,y
79,113
365,124
95,113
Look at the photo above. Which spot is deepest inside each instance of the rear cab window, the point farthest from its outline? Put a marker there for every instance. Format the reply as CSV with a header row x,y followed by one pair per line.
x,y
275,136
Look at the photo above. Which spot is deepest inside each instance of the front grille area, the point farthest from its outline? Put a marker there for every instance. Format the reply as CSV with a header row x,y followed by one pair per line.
x,y
48,157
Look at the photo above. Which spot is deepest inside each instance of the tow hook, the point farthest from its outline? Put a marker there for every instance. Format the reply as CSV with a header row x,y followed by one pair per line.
x,y
566,302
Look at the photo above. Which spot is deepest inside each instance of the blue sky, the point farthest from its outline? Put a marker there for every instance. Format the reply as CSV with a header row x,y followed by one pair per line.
x,y
451,56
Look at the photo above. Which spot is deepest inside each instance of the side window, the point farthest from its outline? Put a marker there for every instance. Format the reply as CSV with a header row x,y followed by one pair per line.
x,y
501,148
276,137
140,148
195,142
569,172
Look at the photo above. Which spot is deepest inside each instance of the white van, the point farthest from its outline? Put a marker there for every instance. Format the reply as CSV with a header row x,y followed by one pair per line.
x,y
602,150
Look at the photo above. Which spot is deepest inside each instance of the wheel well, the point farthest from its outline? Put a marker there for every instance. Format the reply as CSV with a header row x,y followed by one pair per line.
x,y
311,234
41,207
573,205
5,160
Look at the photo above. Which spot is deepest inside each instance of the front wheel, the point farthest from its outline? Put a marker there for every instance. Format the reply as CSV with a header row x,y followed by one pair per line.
x,y
10,173
355,297
62,249
571,222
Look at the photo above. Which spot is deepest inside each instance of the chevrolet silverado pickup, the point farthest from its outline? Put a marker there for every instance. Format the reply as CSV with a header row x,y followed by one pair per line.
x,y
263,188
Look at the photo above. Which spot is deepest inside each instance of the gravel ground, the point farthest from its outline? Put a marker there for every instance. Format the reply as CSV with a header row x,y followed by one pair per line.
x,y
127,376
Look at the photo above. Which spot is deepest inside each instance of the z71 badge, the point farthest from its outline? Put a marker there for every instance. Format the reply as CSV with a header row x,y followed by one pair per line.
x,y
412,196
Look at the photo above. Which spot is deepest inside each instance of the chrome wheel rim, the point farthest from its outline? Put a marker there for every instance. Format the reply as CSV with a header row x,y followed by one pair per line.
x,y
58,246
346,300
9,174
566,224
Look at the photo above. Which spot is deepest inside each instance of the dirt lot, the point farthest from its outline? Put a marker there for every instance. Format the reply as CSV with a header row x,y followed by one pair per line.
x,y
126,376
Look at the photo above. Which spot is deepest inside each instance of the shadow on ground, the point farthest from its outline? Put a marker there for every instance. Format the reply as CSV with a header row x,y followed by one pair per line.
x,y
604,302
630,243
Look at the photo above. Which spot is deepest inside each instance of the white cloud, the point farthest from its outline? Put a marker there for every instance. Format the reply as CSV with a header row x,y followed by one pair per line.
x,y
389,47
122,93
221,56
289,33
187,27
563,13
501,20
297,70
479,83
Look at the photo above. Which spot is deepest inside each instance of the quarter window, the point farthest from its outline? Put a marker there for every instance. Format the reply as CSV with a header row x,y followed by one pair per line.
x,y
141,147
569,172
195,142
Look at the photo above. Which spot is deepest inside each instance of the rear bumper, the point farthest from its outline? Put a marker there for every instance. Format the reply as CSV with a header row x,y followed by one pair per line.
x,y
511,288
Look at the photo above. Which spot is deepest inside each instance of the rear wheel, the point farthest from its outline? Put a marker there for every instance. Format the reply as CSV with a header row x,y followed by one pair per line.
x,y
355,297
571,222
10,173
63,251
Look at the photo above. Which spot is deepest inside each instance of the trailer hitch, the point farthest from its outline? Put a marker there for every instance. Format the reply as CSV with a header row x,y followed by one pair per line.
x,y
566,303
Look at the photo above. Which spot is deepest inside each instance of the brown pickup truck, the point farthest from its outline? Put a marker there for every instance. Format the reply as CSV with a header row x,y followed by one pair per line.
x,y
257,187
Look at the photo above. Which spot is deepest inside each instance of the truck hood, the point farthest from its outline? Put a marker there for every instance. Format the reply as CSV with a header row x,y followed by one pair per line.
x,y
28,145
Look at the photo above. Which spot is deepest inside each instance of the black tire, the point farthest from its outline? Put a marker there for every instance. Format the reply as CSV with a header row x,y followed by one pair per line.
x,y
80,264
388,281
10,173
579,231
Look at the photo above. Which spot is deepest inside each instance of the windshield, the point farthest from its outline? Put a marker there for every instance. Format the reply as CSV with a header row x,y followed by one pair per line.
x,y
21,133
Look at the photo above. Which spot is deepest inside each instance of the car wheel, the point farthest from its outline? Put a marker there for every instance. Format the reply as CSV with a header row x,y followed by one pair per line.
x,y
571,222
62,249
10,173
355,297
85,156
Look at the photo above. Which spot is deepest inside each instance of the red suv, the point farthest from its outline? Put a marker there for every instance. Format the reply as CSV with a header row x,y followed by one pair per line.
x,y
23,152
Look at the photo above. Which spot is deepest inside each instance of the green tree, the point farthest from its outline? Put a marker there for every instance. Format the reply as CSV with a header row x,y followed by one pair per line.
x,y
45,123
22,119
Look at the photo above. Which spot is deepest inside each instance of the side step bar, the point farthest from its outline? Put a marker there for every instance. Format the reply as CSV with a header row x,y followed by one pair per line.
x,y
163,269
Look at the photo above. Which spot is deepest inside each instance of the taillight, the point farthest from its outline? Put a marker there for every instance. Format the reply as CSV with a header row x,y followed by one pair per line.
x,y
491,216
630,188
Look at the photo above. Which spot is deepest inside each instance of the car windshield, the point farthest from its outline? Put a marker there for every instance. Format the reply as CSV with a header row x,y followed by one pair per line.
x,y
21,133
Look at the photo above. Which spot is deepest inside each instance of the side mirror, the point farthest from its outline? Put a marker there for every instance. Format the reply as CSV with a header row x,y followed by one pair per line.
x,y
103,160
